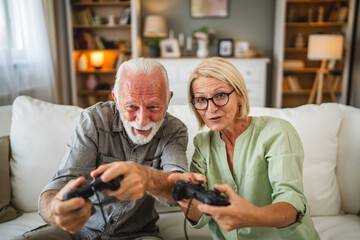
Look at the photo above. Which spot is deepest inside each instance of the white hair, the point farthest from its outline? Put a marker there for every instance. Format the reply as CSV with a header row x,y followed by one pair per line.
x,y
140,66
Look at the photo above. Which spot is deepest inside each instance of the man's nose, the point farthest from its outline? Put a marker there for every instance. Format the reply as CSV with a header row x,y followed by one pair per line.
x,y
142,117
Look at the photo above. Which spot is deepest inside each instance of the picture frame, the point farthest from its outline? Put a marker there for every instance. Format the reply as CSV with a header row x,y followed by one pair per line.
x,y
169,48
240,48
225,47
124,16
209,8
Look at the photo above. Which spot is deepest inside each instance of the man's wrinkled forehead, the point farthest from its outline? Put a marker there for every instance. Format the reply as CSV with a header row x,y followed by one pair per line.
x,y
136,84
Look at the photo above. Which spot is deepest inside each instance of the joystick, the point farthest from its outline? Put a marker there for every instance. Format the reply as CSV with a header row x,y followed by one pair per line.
x,y
87,190
186,189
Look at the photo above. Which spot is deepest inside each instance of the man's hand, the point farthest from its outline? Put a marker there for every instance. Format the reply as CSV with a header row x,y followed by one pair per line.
x,y
68,215
134,184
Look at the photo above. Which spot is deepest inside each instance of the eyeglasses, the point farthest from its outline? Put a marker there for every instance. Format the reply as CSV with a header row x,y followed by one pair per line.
x,y
219,100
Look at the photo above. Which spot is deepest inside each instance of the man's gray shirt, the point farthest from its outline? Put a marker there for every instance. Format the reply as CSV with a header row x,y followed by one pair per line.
x,y
100,138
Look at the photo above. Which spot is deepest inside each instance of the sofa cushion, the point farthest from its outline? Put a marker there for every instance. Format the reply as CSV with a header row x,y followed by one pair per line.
x,y
39,133
348,165
318,128
7,212
338,227
18,226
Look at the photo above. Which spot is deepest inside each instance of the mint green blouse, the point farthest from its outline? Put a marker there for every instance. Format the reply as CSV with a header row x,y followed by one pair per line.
x,y
267,168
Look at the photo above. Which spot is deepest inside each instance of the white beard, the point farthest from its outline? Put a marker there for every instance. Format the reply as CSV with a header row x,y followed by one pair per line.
x,y
141,139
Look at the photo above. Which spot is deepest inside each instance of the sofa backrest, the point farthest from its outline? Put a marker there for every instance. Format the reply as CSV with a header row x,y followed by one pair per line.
x,y
319,127
348,159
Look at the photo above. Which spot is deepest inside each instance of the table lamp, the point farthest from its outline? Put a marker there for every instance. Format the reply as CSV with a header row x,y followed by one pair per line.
x,y
154,29
323,47
97,59
155,26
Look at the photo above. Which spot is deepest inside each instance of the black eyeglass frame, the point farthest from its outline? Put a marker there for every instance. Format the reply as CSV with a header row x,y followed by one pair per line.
x,y
212,99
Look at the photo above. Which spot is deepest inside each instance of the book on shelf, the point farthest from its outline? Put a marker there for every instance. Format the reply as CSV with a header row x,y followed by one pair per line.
x,y
98,42
84,17
119,60
89,40
337,82
293,83
329,82
79,40
334,13
293,63
343,13
81,18
89,16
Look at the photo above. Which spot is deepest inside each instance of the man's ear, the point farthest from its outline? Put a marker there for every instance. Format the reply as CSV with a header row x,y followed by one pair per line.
x,y
115,100
171,95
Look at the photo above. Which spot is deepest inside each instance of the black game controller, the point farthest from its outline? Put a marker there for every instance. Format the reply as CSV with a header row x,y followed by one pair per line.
x,y
186,189
87,190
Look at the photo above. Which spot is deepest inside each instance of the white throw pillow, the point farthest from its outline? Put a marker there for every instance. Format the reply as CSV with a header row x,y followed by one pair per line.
x,y
39,133
348,166
318,127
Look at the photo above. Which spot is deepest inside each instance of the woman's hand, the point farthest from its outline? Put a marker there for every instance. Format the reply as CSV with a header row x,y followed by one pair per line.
x,y
194,213
240,213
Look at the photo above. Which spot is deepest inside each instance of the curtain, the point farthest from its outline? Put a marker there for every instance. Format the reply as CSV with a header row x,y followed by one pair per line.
x,y
25,58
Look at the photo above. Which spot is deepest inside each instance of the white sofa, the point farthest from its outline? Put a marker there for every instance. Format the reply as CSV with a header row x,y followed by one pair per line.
x,y
330,134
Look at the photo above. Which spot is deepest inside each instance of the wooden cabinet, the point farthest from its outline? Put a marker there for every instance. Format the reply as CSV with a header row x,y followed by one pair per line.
x,y
110,28
294,74
253,70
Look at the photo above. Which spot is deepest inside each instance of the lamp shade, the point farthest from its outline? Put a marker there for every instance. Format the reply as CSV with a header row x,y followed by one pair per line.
x,y
155,26
325,46
97,59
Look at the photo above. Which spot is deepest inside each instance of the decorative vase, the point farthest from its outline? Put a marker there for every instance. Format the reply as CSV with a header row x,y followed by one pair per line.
x,y
83,62
202,50
91,82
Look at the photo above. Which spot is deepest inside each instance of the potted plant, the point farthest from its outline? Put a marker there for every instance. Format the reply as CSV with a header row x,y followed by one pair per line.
x,y
203,37
153,43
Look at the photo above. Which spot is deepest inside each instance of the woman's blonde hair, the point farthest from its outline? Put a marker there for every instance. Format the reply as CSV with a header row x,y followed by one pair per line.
x,y
222,70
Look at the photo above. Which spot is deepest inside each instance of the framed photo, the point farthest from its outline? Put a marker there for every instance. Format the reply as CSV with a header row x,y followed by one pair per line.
x,y
124,16
169,48
240,48
225,48
209,8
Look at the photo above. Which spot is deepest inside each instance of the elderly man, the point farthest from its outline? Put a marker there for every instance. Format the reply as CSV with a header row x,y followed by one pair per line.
x,y
132,136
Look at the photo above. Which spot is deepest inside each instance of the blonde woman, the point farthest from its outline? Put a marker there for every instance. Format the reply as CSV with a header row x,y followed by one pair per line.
x,y
255,161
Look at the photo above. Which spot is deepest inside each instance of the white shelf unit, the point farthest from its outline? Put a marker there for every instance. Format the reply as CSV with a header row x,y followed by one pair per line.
x,y
253,70
282,50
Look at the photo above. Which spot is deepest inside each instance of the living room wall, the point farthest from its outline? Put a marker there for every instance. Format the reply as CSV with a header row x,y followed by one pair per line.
x,y
249,20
